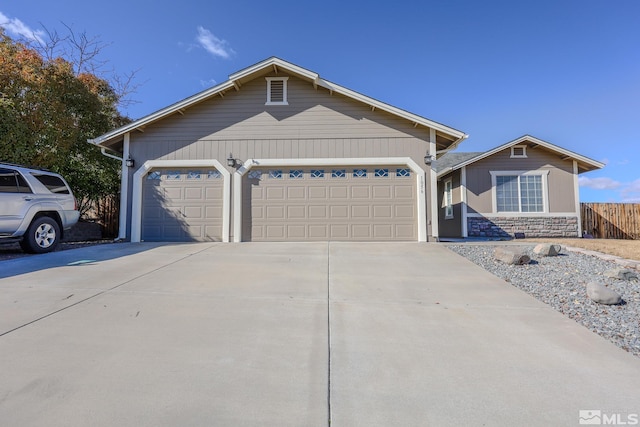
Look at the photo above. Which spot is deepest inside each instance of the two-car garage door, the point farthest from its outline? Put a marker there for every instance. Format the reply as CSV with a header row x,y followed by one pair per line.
x,y
330,203
283,204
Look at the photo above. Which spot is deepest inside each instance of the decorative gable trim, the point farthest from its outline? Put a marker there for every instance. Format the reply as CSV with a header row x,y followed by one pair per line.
x,y
236,81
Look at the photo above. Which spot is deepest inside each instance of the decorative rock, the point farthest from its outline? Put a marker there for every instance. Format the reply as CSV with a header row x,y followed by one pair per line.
x,y
602,295
513,255
621,273
547,249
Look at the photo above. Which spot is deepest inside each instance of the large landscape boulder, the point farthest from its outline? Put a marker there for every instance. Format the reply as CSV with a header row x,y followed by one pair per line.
x,y
512,255
603,295
621,273
547,249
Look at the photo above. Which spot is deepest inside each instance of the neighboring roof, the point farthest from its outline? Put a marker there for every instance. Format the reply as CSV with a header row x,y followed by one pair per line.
x,y
235,82
449,160
585,164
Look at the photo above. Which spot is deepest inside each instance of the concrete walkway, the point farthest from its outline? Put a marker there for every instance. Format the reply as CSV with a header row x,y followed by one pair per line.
x,y
361,334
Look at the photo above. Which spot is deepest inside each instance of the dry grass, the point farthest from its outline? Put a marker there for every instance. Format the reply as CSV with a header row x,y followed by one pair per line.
x,y
629,249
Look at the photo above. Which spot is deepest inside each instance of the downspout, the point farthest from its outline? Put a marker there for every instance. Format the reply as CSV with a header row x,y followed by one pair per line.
x,y
103,150
124,184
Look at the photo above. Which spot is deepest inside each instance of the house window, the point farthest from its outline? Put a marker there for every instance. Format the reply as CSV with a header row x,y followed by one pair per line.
x,y
520,192
317,173
338,173
255,174
359,173
277,91
275,174
403,172
448,199
172,175
193,175
214,174
519,152
382,173
296,174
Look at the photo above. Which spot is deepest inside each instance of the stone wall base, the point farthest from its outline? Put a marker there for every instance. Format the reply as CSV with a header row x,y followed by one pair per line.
x,y
557,226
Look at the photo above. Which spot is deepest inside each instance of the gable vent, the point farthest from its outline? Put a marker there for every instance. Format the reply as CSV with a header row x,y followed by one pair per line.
x,y
277,91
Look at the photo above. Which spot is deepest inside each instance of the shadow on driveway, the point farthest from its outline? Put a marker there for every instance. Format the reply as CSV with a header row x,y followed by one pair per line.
x,y
84,255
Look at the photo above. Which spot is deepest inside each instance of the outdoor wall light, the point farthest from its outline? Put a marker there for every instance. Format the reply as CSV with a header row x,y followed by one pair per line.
x,y
231,162
129,162
428,159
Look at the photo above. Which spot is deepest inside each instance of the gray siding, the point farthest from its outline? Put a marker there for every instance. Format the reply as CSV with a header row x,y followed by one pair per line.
x,y
315,124
560,179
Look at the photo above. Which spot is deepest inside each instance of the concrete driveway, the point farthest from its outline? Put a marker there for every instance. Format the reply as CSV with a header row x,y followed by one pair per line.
x,y
282,334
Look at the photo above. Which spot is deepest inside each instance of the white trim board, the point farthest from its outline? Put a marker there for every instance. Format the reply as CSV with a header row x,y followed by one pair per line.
x,y
522,215
365,161
138,177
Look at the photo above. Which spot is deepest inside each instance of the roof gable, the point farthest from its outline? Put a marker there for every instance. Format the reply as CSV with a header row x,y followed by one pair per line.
x,y
447,137
585,164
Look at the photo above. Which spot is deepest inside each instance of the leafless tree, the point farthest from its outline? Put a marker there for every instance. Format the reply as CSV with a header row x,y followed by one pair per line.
x,y
84,52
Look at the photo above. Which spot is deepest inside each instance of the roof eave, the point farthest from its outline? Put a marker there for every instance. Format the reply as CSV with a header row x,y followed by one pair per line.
x,y
234,82
591,164
160,114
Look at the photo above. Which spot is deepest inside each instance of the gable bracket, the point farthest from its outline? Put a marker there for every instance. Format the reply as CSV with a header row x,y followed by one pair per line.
x,y
236,84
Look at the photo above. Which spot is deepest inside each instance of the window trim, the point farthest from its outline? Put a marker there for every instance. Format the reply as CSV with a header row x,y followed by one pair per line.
x,y
519,156
448,198
544,173
285,100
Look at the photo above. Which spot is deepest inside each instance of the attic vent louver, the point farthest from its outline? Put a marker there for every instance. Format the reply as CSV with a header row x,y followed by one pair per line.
x,y
277,91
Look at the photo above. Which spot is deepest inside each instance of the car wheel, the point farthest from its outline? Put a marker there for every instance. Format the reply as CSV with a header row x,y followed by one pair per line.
x,y
43,235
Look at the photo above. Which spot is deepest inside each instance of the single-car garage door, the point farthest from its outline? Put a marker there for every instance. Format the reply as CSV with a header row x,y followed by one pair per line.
x,y
182,205
330,203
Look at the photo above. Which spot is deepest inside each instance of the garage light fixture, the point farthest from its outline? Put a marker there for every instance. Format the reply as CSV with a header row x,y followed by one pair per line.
x,y
130,162
231,162
428,159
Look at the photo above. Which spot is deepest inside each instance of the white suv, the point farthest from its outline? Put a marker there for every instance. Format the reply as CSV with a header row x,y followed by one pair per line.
x,y
36,206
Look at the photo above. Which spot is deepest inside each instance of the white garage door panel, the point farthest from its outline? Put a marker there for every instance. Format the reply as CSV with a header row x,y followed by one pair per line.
x,y
362,204
182,205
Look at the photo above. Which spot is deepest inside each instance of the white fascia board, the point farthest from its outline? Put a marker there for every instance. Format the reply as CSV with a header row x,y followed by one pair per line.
x,y
540,142
393,110
355,161
138,178
278,63
167,111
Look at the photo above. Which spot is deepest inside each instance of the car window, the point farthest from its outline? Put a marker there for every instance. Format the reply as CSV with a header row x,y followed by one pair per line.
x,y
8,183
23,187
53,183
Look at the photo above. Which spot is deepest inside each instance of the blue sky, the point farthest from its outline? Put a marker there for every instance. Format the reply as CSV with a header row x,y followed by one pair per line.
x,y
565,71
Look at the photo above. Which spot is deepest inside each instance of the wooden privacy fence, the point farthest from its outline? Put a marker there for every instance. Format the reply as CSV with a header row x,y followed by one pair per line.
x,y
611,220
105,212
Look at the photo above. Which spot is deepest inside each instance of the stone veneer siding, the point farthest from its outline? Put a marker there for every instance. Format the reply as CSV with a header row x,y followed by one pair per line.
x,y
559,226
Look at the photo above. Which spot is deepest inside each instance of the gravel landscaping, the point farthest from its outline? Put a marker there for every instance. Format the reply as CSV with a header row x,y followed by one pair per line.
x,y
561,282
